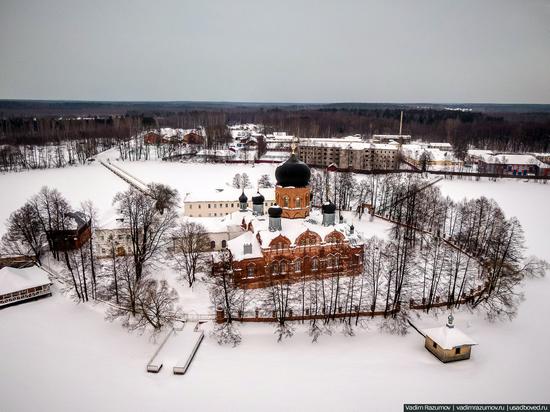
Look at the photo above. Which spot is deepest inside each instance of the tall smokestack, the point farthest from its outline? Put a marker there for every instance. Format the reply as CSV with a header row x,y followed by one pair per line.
x,y
401,123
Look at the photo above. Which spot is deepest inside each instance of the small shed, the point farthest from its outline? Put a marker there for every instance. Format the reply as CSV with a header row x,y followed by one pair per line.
x,y
448,343
18,285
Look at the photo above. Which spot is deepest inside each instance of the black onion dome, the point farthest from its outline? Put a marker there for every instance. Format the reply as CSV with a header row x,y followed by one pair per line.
x,y
329,207
293,172
258,199
243,198
275,211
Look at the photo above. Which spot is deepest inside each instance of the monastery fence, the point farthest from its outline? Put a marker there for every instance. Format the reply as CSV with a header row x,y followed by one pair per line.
x,y
258,316
267,317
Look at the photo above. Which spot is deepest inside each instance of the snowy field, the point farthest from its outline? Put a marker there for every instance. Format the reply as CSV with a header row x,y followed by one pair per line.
x,y
62,356
198,178
77,184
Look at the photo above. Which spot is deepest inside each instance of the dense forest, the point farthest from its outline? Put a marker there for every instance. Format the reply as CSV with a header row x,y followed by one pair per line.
x,y
98,126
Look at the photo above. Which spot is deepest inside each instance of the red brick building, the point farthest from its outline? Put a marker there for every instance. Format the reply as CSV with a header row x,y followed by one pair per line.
x,y
283,245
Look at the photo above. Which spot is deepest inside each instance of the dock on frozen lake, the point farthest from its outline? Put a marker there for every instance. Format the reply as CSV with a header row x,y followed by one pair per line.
x,y
177,350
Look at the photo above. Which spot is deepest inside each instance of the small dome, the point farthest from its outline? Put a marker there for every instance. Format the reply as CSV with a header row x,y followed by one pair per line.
x,y
293,172
275,211
258,199
243,198
328,207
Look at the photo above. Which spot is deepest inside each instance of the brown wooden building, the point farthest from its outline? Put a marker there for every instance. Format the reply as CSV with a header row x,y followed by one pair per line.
x,y
72,237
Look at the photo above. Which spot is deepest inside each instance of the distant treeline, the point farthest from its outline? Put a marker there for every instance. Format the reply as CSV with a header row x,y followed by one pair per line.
x,y
35,123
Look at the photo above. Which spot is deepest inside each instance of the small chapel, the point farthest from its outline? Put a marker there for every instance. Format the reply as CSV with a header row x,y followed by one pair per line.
x,y
291,242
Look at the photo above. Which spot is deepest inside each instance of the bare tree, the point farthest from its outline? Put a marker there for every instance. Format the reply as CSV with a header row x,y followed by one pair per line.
x,y
225,296
156,304
148,227
190,245
265,181
24,233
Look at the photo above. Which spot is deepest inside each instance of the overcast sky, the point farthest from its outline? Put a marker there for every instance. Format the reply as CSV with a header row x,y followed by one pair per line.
x,y
277,51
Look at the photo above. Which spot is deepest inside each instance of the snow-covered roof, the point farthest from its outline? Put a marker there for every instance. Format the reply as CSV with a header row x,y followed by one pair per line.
x,y
13,280
391,136
236,246
227,194
512,159
216,153
291,229
415,151
349,142
448,338
479,152
111,219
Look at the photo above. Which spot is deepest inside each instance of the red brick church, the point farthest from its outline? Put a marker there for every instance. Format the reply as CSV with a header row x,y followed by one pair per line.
x,y
291,242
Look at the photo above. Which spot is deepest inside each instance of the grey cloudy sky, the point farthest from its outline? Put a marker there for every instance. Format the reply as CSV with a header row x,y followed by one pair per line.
x,y
277,51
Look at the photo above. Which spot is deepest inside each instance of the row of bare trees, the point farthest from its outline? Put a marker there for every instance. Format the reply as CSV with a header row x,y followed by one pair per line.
x,y
127,280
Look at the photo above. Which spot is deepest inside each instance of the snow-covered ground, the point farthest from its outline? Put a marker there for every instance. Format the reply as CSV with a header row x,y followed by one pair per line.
x,y
77,184
197,178
62,356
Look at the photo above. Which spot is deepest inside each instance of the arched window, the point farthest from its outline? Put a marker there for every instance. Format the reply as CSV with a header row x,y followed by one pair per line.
x,y
333,261
286,201
284,267
275,268
298,202
298,265
224,244
250,269
314,264
212,244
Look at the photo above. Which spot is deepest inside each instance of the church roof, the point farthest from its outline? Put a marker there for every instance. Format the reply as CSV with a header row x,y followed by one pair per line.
x,y
293,173
261,236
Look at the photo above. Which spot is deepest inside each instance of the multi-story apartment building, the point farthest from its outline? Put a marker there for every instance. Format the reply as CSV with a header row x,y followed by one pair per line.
x,y
349,153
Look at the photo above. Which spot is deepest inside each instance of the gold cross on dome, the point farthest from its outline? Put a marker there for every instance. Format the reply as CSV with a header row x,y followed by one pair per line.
x,y
293,146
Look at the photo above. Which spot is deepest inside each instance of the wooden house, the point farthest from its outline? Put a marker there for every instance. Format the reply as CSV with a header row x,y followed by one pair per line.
x,y
448,343
193,138
19,285
72,237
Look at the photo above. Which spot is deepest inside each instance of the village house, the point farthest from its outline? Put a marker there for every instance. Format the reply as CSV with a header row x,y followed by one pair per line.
x,y
23,284
167,135
112,236
448,343
75,234
193,138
